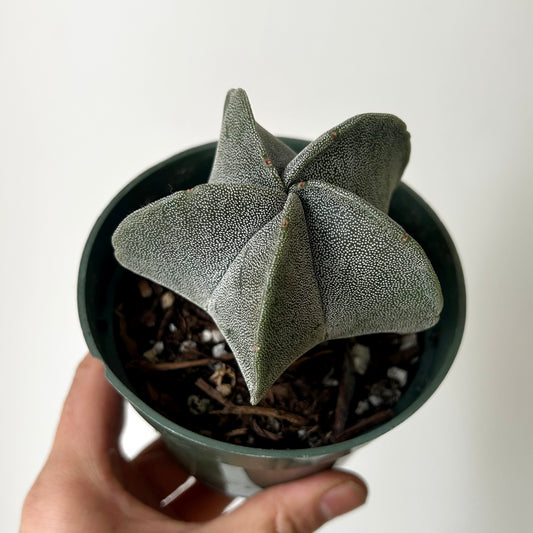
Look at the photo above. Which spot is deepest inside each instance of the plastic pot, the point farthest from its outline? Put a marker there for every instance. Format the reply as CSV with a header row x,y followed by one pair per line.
x,y
230,468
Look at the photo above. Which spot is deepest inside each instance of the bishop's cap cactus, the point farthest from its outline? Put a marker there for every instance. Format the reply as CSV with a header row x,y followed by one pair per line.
x,y
287,250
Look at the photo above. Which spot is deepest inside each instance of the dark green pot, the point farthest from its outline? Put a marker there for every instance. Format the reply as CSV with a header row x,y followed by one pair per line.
x,y
230,468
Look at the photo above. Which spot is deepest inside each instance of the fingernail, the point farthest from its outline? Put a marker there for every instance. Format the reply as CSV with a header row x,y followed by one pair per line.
x,y
342,498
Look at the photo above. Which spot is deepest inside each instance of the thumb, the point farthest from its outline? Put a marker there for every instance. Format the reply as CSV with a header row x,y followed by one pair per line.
x,y
298,507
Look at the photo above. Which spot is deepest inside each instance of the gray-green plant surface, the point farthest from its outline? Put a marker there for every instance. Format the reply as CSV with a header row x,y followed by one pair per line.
x,y
287,250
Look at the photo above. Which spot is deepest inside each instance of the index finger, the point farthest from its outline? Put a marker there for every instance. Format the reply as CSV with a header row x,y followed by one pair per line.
x,y
92,416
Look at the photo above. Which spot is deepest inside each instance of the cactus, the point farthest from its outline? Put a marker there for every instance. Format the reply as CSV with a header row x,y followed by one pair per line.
x,y
287,250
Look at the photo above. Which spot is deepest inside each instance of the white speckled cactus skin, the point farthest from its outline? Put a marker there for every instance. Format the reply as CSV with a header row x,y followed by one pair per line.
x,y
287,250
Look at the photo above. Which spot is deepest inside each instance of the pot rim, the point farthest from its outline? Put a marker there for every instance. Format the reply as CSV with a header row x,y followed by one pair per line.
x,y
174,428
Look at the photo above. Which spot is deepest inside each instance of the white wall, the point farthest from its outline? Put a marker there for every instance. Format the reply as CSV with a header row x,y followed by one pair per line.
x,y
94,92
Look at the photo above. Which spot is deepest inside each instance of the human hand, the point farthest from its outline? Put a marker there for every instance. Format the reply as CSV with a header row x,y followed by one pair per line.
x,y
87,485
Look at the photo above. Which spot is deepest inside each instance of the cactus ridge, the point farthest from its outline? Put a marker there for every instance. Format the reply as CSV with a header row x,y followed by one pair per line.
x,y
286,250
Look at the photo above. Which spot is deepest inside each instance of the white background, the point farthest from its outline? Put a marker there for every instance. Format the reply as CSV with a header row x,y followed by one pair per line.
x,y
92,93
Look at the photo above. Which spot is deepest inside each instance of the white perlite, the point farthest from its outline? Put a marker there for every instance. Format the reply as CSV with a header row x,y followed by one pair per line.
x,y
219,350
154,351
362,407
375,400
398,374
206,335
217,336
361,358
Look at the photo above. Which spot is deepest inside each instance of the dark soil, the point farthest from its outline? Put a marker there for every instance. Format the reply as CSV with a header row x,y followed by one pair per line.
x,y
179,364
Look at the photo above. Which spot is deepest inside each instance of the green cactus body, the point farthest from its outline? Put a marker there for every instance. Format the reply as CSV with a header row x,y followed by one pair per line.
x,y
287,250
